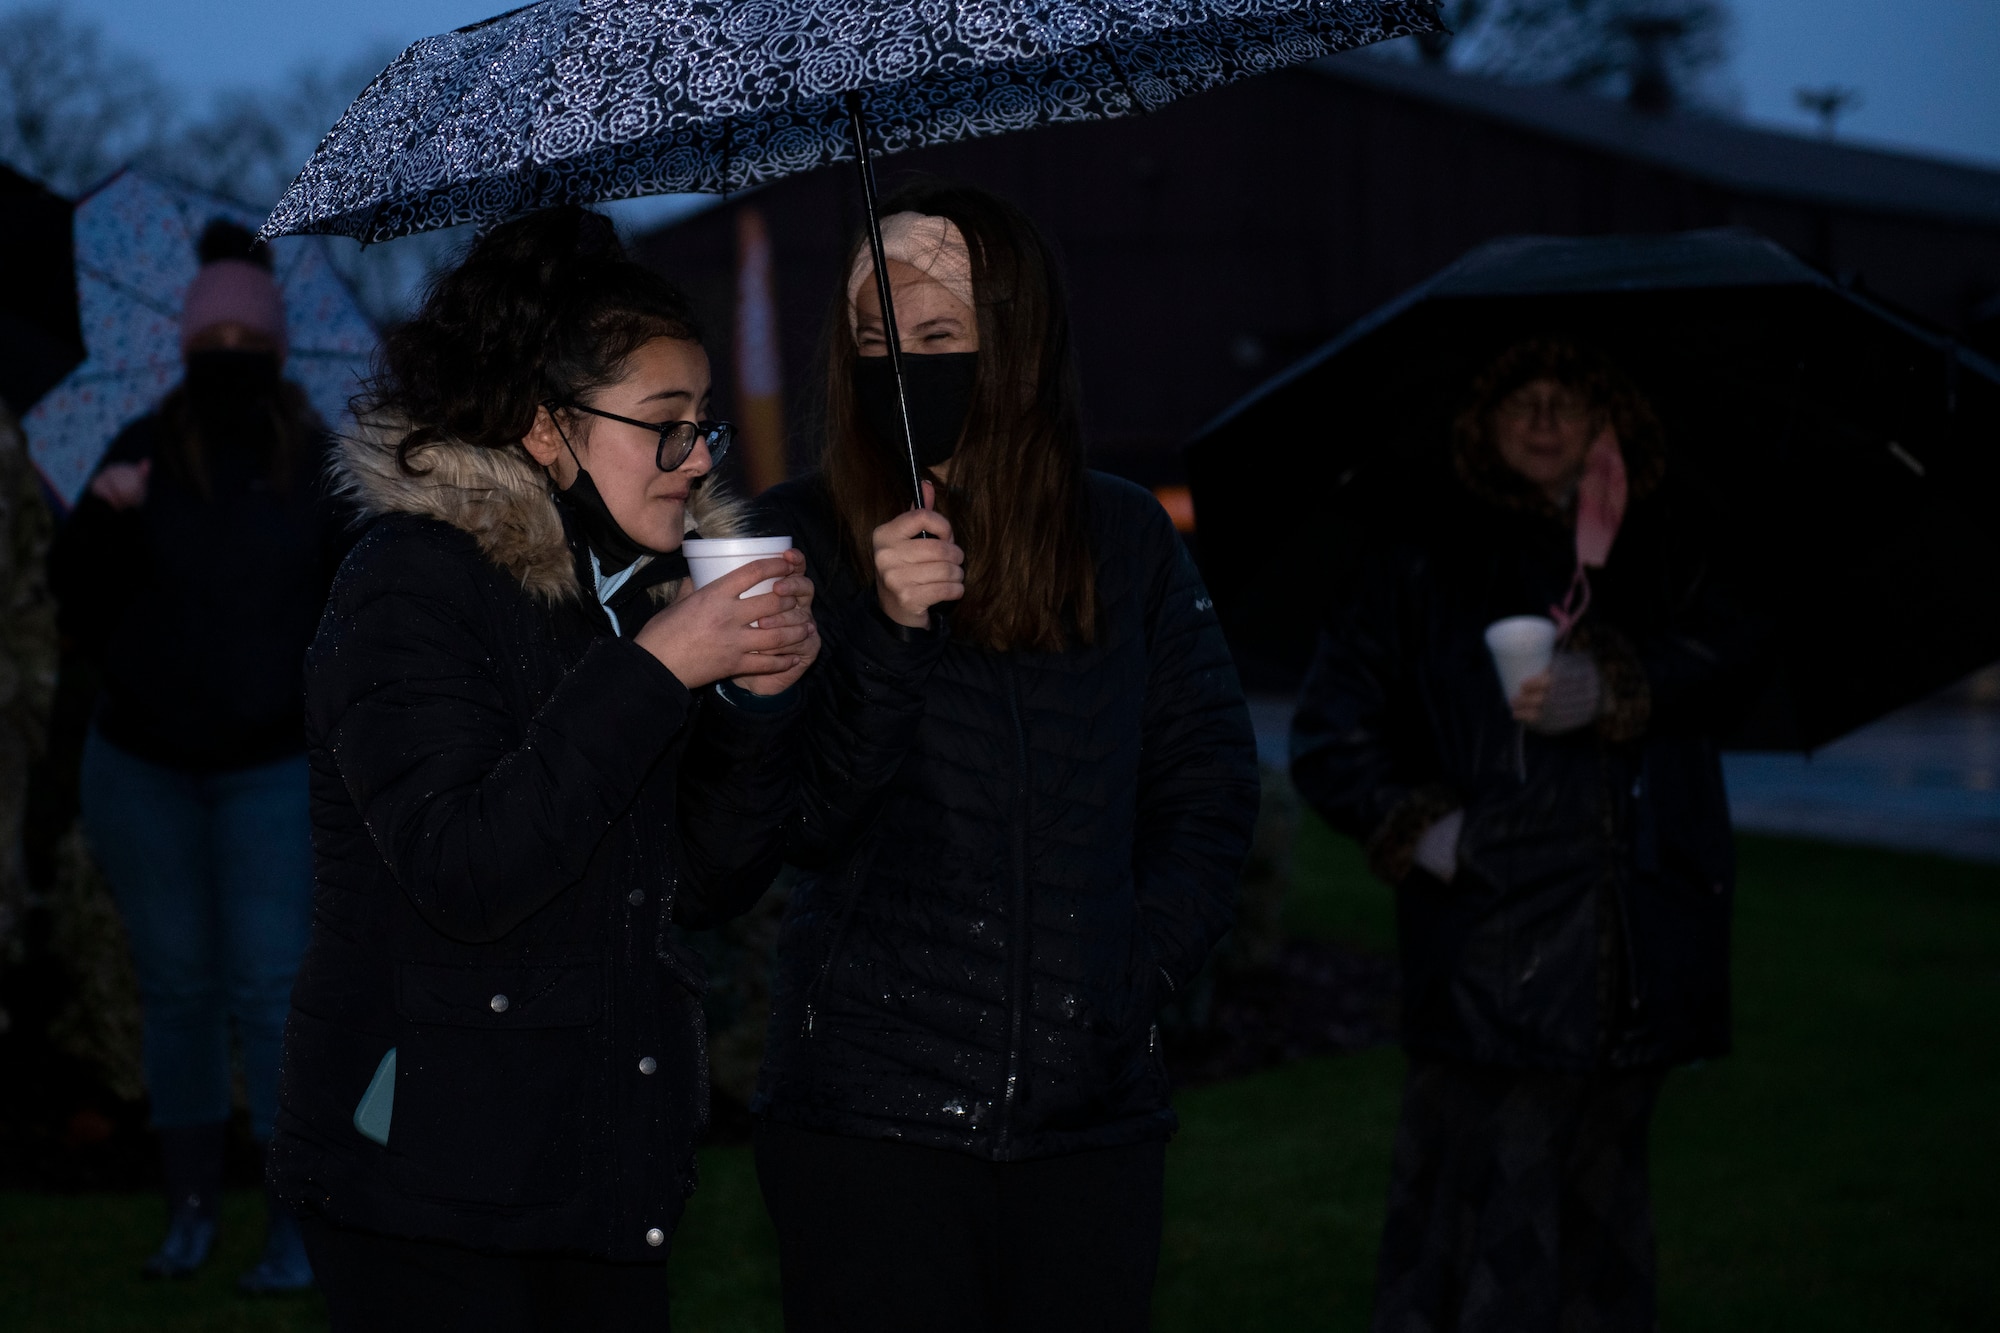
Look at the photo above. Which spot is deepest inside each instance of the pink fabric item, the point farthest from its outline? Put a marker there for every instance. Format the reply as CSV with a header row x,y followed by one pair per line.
x,y
1600,501
233,291
1601,494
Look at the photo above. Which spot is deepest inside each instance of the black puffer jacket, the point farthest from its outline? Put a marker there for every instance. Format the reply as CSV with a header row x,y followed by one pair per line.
x,y
513,812
1588,924
1012,857
198,605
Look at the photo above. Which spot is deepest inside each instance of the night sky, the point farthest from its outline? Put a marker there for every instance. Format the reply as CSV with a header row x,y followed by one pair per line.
x,y
1929,69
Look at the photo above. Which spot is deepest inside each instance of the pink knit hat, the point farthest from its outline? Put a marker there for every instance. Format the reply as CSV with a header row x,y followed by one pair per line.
x,y
233,291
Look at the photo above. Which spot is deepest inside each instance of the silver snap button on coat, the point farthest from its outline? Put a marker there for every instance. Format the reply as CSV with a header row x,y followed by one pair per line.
x,y
499,1004
648,1065
636,897
655,1236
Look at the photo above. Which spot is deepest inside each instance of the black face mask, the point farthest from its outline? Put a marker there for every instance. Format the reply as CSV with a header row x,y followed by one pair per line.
x,y
221,376
590,518
940,392
231,397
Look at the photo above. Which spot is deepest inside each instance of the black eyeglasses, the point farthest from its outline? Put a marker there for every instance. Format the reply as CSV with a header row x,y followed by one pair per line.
x,y
677,438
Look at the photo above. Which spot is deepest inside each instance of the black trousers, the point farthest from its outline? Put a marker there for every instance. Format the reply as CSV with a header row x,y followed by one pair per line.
x,y
1519,1203
383,1284
880,1237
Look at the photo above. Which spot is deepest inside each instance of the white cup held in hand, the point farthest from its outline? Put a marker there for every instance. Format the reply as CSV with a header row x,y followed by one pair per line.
x,y
709,558
1522,647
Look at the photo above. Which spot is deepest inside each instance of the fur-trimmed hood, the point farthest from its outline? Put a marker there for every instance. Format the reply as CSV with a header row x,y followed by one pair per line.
x,y
500,497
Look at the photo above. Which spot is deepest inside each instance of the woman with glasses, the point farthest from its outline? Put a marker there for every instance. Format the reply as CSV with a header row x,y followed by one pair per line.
x,y
1022,828
537,754
1561,857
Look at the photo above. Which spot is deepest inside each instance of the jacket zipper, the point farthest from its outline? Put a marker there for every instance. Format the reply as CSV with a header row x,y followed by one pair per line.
x,y
1021,933
854,871
1614,900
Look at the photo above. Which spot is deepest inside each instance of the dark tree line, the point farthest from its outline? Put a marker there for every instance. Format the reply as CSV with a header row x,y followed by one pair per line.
x,y
1657,52
74,108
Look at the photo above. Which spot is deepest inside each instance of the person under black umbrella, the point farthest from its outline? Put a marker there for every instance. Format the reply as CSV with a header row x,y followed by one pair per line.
x,y
1562,858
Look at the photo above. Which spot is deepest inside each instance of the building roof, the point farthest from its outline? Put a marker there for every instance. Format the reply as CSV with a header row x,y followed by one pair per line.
x,y
1723,152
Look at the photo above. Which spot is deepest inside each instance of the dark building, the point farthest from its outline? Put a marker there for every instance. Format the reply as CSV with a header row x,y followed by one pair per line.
x,y
1209,244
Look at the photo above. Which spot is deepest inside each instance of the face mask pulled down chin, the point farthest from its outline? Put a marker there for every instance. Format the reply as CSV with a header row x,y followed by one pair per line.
x,y
592,521
940,396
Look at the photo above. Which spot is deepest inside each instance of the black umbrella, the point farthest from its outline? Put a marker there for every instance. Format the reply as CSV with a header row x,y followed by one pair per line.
x,y
1852,455
40,339
573,101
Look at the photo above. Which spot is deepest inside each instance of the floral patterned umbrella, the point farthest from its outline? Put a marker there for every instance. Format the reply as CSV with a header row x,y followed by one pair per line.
x,y
575,101
135,241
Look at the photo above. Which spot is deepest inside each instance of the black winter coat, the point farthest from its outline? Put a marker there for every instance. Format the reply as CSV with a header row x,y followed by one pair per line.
x,y
1588,924
514,812
1011,859
198,606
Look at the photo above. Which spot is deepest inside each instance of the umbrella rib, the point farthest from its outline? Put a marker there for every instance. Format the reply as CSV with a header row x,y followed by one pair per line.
x,y
1118,69
128,291
729,145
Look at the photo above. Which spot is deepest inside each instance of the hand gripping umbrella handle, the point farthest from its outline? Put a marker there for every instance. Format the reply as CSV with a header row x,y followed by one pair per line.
x,y
865,164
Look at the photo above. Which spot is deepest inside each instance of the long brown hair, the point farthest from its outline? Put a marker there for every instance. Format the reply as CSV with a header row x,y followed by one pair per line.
x,y
277,428
1016,500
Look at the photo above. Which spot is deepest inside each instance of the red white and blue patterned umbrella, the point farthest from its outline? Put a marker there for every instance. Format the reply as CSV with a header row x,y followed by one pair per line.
x,y
135,241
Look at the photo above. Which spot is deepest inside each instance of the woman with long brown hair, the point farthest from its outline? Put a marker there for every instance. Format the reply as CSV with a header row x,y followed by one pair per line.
x,y
1031,785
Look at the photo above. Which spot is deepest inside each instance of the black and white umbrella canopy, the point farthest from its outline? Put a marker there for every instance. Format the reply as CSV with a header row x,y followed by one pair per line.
x,y
577,101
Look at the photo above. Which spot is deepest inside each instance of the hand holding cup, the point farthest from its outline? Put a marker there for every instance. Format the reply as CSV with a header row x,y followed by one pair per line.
x,y
1523,648
1531,699
917,565
717,632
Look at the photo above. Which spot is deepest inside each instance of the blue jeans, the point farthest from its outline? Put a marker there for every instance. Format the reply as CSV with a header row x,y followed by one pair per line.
x,y
213,876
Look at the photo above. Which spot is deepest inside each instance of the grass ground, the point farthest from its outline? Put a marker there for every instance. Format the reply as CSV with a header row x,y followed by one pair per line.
x,y
1837,1173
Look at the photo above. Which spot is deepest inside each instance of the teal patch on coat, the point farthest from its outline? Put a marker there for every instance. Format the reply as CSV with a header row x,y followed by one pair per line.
x,y
371,1117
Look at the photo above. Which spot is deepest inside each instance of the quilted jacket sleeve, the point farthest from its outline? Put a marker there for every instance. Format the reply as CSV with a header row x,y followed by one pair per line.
x,y
866,703
481,823
865,697
1198,786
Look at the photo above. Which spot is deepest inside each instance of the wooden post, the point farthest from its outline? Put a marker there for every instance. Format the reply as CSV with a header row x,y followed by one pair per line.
x,y
760,403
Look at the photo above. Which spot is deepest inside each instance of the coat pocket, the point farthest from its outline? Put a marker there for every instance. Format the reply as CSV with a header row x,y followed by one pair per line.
x,y
493,1081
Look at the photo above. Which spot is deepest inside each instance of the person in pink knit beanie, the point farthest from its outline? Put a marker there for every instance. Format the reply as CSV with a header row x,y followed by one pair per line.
x,y
234,303
192,573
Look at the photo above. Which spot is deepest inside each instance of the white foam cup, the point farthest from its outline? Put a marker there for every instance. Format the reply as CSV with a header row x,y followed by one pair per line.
x,y
709,558
1522,647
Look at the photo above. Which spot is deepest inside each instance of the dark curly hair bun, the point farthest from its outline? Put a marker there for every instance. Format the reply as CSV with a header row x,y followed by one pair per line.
x,y
541,309
223,239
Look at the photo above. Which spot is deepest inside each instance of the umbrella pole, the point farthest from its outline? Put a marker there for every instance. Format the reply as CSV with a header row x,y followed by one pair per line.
x,y
866,165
